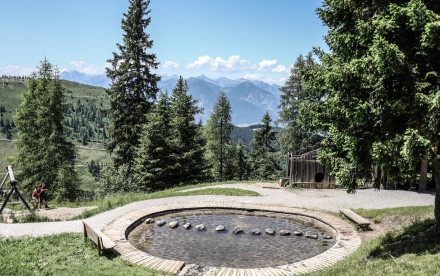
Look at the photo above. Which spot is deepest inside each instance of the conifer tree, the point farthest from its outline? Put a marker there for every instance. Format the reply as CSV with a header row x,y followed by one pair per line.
x,y
154,163
380,82
134,86
187,140
264,163
295,96
217,131
241,164
45,154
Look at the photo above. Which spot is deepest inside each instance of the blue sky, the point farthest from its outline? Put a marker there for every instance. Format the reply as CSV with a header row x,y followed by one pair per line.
x,y
255,39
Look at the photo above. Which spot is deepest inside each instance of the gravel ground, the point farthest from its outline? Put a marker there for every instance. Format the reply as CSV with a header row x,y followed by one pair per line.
x,y
325,200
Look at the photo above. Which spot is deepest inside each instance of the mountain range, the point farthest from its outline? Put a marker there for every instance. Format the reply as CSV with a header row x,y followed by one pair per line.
x,y
250,99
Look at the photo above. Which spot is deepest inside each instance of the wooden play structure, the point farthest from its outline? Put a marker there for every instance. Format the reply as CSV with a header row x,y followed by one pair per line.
x,y
14,189
303,170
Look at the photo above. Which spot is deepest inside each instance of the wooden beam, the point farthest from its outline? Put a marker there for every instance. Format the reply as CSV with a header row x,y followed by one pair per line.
x,y
361,221
4,181
11,173
27,196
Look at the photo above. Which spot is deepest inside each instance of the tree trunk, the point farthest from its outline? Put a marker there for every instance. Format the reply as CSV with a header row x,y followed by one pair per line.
x,y
423,180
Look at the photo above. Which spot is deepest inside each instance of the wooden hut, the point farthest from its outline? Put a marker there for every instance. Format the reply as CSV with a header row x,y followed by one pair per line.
x,y
303,170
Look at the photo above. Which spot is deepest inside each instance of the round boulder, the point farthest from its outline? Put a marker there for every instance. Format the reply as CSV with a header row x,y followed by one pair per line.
x,y
255,232
200,227
237,230
220,228
161,223
284,232
149,221
297,233
270,232
173,224
311,235
187,225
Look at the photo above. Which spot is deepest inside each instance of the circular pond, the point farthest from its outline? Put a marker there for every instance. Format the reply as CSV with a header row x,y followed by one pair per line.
x,y
211,248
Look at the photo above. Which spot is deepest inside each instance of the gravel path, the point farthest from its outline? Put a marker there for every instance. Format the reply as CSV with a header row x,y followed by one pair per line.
x,y
325,200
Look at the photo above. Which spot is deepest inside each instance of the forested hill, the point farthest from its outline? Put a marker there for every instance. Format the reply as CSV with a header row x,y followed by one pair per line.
x,y
84,120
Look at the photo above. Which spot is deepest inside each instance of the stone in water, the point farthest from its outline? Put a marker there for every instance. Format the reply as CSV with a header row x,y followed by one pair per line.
x,y
285,232
200,227
237,230
270,232
161,223
187,225
255,232
297,233
220,228
173,224
149,221
311,235
327,237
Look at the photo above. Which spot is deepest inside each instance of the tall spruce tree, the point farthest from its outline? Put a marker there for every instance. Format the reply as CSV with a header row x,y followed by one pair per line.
x,y
294,96
154,162
264,164
241,164
44,153
187,139
217,131
134,85
382,90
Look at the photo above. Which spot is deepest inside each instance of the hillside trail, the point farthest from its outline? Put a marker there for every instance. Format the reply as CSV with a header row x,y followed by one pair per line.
x,y
323,200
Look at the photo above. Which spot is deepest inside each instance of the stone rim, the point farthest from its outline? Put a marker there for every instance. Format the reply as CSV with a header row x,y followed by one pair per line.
x,y
347,239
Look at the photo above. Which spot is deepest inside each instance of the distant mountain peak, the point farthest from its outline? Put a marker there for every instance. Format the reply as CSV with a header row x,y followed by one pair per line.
x,y
250,99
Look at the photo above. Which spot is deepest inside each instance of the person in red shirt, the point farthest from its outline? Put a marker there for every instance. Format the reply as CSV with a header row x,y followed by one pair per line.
x,y
36,195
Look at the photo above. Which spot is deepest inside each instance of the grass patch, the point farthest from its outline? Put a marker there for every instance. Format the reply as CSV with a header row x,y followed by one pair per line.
x,y
401,252
379,214
64,254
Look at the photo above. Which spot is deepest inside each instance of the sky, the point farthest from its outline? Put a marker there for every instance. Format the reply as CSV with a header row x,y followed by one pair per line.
x,y
253,39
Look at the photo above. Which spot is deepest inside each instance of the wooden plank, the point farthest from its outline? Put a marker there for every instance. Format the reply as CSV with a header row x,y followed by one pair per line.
x,y
98,237
355,217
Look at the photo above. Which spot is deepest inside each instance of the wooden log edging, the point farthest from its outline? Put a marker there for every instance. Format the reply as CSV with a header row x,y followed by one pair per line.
x,y
347,239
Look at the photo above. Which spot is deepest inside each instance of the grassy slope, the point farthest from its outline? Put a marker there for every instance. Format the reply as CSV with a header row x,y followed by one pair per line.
x,y
416,255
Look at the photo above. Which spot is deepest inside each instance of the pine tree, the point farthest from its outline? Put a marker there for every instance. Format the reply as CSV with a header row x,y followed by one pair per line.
x,y
295,96
241,163
154,164
264,163
217,131
45,154
187,139
134,86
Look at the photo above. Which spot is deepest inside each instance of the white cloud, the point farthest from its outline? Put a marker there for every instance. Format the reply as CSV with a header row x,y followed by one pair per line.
x,y
280,69
16,70
267,64
201,62
82,67
171,65
233,64
253,76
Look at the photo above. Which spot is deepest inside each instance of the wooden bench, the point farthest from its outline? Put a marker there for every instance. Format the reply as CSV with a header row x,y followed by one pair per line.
x,y
361,221
102,242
